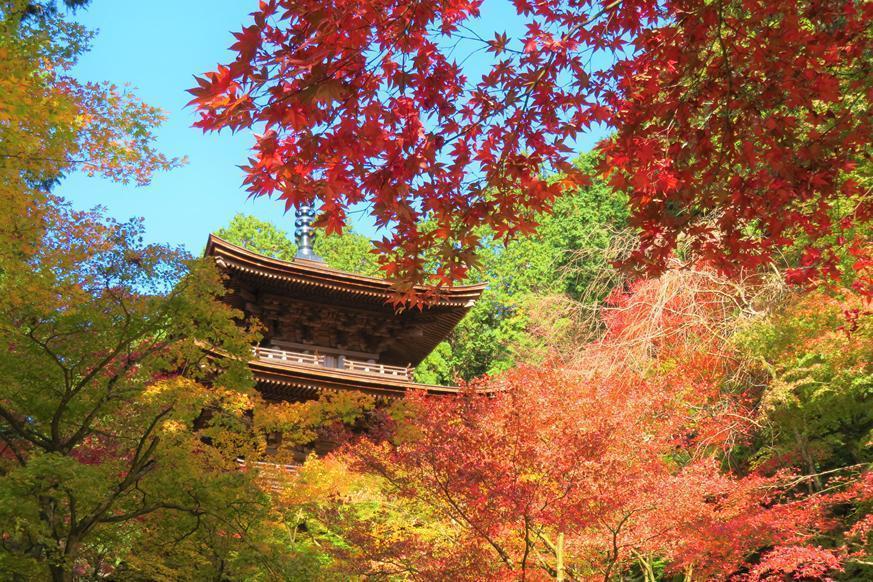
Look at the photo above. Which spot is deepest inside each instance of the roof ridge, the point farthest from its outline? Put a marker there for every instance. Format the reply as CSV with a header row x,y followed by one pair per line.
x,y
301,266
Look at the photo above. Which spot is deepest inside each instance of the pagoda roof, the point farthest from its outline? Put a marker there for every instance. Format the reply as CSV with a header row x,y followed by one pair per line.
x,y
319,275
285,380
318,283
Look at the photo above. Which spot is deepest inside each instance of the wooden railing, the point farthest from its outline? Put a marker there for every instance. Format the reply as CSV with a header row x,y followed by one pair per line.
x,y
290,357
356,366
382,369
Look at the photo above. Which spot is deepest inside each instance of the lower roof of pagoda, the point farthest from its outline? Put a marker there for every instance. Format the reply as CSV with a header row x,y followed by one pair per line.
x,y
328,307
287,381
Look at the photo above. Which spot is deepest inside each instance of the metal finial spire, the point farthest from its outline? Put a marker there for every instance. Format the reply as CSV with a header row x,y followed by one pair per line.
x,y
305,233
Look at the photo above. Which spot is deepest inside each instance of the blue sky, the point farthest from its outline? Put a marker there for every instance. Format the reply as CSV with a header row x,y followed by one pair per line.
x,y
157,47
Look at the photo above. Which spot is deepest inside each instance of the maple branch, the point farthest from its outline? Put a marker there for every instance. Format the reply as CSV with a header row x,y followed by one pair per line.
x,y
451,501
459,512
569,571
140,465
43,345
85,426
813,476
122,517
25,433
729,75
341,64
532,87
614,552
527,545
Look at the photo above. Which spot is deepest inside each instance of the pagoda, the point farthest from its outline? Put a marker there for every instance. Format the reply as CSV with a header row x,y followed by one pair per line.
x,y
327,330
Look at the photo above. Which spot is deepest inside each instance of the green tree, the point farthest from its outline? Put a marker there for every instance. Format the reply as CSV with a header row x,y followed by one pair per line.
x,y
258,236
815,354
349,251
104,347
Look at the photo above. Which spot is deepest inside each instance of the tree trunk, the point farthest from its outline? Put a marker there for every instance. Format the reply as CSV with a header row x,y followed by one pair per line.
x,y
59,574
815,483
62,572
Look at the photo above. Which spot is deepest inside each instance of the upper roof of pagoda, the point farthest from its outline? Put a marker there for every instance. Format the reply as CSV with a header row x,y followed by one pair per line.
x,y
317,283
319,275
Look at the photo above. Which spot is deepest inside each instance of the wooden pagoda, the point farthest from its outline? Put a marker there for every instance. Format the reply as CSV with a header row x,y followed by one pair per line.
x,y
328,330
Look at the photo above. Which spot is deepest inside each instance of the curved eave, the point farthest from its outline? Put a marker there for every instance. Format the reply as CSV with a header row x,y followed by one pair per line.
x,y
303,382
317,275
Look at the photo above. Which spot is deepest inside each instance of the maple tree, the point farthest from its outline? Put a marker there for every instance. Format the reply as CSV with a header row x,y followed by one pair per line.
x,y
52,122
738,126
612,463
564,268
815,356
126,402
97,428
125,409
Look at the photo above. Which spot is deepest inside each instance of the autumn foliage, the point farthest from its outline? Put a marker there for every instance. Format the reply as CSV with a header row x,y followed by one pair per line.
x,y
706,421
740,127
619,463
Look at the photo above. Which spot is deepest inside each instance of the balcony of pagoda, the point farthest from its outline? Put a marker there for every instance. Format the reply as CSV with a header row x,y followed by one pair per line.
x,y
332,362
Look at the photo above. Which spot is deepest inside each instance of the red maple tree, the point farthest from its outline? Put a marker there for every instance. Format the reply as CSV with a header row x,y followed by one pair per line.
x,y
738,123
613,462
